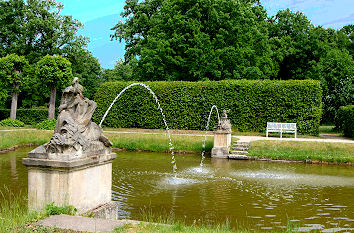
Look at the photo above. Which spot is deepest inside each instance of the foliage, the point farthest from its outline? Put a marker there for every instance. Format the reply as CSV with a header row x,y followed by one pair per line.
x,y
87,69
52,209
195,40
54,71
345,120
36,28
12,123
122,72
187,104
335,70
28,116
48,124
12,75
303,51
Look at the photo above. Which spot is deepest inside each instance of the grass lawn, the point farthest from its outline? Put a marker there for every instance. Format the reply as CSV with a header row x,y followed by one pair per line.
x,y
159,142
15,138
321,151
128,141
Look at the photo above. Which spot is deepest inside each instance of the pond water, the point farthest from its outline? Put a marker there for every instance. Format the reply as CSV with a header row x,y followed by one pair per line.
x,y
255,195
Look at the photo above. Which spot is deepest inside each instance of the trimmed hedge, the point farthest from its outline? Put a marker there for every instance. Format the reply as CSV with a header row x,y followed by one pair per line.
x,y
345,120
187,104
28,116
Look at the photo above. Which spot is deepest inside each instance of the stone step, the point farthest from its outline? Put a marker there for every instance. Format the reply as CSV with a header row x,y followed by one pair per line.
x,y
238,157
240,148
241,143
238,152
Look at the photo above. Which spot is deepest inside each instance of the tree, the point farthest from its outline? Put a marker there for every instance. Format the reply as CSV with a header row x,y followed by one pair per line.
x,y
12,77
87,69
121,72
336,73
55,72
195,39
35,28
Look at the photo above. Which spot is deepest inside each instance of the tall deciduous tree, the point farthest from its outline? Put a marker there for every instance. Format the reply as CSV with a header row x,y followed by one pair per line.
x,y
12,77
336,73
121,72
35,28
87,69
195,39
56,73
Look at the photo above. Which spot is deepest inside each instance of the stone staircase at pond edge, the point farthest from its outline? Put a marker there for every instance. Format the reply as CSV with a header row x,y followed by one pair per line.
x,y
239,151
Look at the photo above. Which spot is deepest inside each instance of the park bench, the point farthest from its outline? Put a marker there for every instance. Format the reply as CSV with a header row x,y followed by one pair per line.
x,y
275,127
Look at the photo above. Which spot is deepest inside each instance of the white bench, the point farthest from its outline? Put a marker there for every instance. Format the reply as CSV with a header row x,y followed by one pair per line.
x,y
275,127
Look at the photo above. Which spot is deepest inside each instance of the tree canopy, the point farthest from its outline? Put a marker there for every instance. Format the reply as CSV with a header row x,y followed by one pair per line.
x,y
54,72
195,39
35,28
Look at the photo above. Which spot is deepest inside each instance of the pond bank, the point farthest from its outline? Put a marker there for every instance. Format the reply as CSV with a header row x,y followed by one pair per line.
x,y
310,150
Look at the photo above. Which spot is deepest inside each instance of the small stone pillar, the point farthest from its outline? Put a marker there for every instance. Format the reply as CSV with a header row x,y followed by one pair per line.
x,y
75,166
222,137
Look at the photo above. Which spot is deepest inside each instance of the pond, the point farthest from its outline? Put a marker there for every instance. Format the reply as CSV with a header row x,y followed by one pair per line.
x,y
250,194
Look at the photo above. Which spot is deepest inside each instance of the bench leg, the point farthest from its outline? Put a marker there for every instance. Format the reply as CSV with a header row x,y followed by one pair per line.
x,y
267,133
295,133
281,134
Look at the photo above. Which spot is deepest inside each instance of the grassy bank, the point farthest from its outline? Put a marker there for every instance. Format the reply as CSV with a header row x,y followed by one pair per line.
x,y
15,138
320,151
129,141
159,142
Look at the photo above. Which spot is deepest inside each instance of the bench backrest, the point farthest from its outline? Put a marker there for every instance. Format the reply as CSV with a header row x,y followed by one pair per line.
x,y
284,126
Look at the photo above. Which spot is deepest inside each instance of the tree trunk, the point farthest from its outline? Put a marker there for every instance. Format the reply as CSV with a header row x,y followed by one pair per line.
x,y
14,103
51,111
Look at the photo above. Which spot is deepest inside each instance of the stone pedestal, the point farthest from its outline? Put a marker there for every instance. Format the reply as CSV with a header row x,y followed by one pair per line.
x,y
222,142
222,138
83,183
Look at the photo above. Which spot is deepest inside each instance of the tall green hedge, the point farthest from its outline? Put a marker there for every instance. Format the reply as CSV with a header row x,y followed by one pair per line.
x,y
252,104
345,120
28,116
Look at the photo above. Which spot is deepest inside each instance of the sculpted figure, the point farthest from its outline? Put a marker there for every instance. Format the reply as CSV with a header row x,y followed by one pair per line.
x,y
75,135
224,124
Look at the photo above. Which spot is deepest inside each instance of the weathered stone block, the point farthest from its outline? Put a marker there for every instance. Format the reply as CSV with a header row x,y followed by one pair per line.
x,y
85,184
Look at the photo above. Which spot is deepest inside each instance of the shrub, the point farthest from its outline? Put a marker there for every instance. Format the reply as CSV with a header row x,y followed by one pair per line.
x,y
345,120
47,124
12,123
52,209
29,116
187,104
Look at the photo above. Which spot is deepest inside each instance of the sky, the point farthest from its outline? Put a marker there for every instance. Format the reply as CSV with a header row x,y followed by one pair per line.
x,y
99,17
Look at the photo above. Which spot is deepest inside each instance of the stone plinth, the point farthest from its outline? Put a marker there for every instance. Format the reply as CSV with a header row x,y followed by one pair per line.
x,y
222,138
222,142
84,183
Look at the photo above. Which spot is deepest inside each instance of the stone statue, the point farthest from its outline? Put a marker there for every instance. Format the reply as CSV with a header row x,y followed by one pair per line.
x,y
75,135
224,124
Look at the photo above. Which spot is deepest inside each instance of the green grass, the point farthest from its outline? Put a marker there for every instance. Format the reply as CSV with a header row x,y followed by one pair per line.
x,y
15,138
128,141
15,217
159,142
320,151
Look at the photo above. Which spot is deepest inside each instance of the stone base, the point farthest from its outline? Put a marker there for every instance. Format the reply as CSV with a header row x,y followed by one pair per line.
x,y
220,152
222,142
106,211
83,183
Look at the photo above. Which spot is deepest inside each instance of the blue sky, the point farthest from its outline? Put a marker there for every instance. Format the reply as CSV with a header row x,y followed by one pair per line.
x,y
99,17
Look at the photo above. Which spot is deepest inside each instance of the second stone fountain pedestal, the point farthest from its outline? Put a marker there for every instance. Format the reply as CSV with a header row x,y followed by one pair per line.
x,y
222,138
